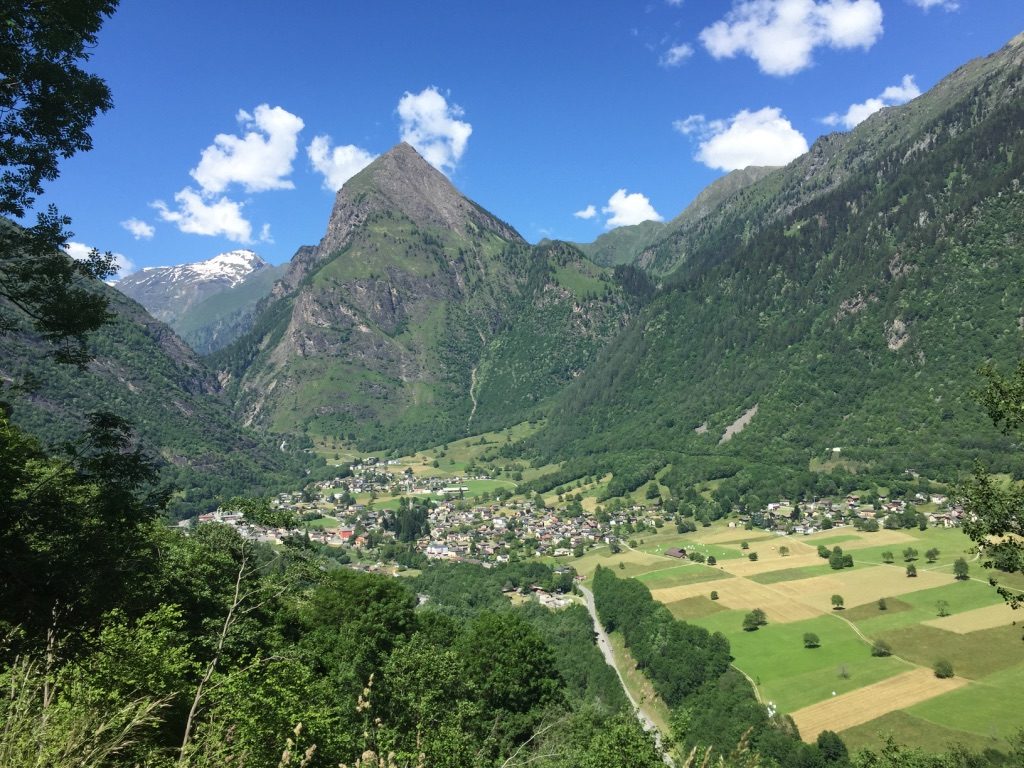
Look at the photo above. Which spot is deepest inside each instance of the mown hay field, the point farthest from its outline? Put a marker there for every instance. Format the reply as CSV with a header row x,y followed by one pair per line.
x,y
850,709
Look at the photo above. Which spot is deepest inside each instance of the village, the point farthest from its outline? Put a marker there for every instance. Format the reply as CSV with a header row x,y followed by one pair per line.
x,y
357,513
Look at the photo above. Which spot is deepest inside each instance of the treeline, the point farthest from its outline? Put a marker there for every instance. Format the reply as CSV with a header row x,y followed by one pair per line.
x,y
462,590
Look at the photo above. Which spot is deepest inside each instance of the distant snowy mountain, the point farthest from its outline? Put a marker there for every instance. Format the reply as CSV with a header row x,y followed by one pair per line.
x,y
169,292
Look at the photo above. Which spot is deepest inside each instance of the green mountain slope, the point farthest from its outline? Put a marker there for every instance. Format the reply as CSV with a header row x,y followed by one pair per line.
x,y
143,372
623,244
883,268
635,243
218,320
418,318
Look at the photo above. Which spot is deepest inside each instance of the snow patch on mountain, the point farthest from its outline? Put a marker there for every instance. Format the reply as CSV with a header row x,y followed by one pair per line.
x,y
231,267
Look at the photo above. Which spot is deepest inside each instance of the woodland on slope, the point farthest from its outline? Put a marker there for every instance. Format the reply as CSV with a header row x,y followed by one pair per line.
x,y
850,297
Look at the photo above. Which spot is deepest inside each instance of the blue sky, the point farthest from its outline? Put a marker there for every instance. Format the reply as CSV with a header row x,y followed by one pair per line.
x,y
537,110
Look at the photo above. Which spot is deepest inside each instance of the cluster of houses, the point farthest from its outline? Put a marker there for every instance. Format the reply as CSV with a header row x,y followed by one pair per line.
x,y
786,518
490,533
497,532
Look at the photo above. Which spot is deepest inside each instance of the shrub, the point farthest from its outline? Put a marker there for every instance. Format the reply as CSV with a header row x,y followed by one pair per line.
x,y
881,648
943,669
714,595
811,640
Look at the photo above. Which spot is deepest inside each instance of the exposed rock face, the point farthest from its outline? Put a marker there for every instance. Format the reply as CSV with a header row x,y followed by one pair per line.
x,y
412,308
398,180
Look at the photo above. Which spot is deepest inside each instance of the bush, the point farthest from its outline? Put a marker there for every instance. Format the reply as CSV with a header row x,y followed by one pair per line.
x,y
753,620
943,669
714,595
882,605
811,640
881,648
911,570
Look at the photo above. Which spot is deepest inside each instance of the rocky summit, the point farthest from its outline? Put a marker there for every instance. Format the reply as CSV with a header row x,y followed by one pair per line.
x,y
416,316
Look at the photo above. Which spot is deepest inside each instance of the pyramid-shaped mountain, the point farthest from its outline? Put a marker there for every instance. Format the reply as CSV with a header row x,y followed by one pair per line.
x,y
418,317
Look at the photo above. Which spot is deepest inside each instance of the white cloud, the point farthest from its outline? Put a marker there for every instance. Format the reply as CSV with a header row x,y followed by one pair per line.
x,y
431,126
624,209
265,236
197,217
764,137
140,230
676,55
902,93
260,160
587,213
337,165
891,96
81,251
781,35
948,5
695,124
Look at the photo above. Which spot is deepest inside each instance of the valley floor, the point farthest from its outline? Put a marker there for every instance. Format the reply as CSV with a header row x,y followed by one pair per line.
x,y
840,685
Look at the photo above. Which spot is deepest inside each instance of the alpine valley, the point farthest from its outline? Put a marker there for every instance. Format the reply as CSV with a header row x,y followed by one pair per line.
x,y
843,303
429,494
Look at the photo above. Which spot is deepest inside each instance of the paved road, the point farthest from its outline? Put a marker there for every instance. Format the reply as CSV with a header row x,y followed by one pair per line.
x,y
602,642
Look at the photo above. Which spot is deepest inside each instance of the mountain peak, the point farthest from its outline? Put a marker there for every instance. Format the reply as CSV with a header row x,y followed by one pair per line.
x,y
167,292
401,181
410,183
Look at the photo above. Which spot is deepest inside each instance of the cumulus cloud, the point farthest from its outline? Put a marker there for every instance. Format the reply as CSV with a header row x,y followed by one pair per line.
x,y
764,137
676,55
431,125
587,213
891,96
81,251
196,216
624,209
948,5
337,165
781,35
260,160
140,230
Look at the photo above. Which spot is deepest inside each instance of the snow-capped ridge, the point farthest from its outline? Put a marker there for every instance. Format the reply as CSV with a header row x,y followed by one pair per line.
x,y
231,267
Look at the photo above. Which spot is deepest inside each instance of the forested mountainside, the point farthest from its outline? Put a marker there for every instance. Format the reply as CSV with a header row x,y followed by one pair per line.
x,y
418,318
141,371
844,303
634,244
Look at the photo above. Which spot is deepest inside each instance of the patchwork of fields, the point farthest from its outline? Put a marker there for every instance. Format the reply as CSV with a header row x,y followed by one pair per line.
x,y
840,685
